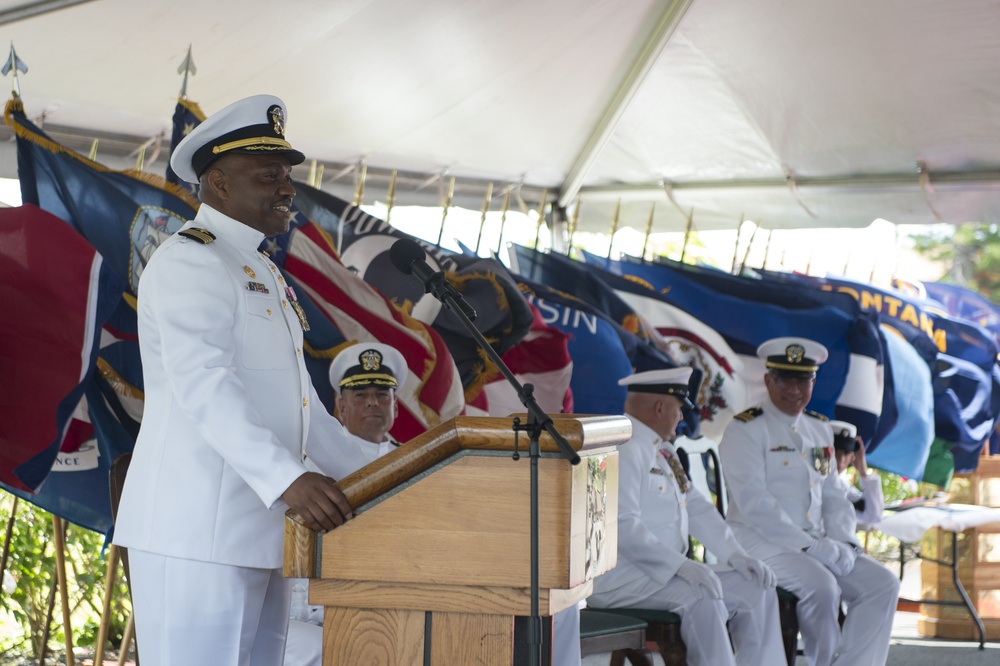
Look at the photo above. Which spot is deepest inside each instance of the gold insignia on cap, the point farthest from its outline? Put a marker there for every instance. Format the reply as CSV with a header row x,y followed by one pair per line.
x,y
370,360
249,271
278,118
795,353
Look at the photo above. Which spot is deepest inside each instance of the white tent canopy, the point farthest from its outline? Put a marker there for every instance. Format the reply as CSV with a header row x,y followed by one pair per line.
x,y
792,114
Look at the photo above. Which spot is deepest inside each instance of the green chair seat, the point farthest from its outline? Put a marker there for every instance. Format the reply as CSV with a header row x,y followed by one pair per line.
x,y
650,615
599,623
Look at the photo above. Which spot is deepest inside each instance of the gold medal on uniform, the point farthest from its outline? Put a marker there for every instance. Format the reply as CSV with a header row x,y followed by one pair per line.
x,y
677,469
298,308
822,457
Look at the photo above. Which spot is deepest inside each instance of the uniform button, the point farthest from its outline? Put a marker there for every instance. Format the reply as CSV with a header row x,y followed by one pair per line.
x,y
281,281
298,351
273,269
809,516
786,463
284,304
305,402
795,429
811,484
803,456
269,312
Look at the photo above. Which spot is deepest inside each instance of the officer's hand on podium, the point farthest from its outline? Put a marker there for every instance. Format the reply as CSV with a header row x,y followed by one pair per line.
x,y
702,580
753,569
319,502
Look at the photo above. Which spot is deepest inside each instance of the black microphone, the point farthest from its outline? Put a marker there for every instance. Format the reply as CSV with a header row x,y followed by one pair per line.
x,y
408,257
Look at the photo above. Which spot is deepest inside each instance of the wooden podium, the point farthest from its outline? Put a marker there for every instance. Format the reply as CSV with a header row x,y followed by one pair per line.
x,y
434,568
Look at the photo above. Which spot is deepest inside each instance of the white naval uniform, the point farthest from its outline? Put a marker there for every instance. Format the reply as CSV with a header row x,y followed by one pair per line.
x,y
654,521
871,493
304,646
229,412
779,504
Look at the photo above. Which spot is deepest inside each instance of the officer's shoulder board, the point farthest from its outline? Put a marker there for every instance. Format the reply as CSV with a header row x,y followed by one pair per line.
x,y
816,415
749,415
203,236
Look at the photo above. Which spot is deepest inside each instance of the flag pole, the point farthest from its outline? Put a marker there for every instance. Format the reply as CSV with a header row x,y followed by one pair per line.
x,y
614,226
447,205
541,216
359,191
93,150
16,65
140,158
736,248
487,199
7,538
60,540
50,608
503,216
572,225
109,587
767,248
187,67
311,179
390,196
746,254
649,230
687,234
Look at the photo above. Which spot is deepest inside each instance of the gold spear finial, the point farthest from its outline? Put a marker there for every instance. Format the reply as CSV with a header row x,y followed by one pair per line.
x,y
541,216
487,199
614,226
445,207
390,198
649,230
359,191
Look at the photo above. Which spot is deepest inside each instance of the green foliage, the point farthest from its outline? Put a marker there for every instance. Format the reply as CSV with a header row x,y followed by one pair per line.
x,y
32,563
970,251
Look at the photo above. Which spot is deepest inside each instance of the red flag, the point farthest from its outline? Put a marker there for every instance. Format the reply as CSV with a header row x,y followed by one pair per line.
x,y
55,293
433,392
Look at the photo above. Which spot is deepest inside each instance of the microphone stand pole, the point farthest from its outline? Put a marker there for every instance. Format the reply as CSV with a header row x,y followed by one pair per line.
x,y
537,421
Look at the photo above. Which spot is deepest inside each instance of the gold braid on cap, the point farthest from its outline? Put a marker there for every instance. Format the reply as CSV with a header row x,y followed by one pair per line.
x,y
256,143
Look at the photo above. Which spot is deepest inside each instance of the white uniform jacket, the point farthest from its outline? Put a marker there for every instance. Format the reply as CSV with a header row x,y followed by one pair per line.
x,y
229,406
655,517
781,474
871,493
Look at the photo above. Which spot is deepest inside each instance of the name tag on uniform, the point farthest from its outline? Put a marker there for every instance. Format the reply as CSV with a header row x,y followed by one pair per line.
x,y
779,449
258,287
657,470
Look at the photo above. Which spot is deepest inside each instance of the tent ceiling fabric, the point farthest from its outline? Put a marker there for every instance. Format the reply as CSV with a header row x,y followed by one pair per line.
x,y
793,114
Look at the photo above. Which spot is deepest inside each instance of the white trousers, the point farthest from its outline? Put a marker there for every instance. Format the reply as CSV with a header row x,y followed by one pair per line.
x,y
566,637
304,646
752,612
206,614
870,591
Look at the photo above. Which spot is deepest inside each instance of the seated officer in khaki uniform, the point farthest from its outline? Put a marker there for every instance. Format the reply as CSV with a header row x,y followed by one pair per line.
x,y
788,507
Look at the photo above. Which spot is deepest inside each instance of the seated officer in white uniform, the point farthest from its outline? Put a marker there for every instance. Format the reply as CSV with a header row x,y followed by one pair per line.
x,y
787,507
657,509
365,376
850,450
229,410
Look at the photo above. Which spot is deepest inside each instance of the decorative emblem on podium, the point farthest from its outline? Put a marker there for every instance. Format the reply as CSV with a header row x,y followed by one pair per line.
x,y
597,509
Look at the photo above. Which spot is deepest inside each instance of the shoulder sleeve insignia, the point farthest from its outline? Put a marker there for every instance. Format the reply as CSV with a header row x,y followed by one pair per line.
x,y
203,236
816,415
749,415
